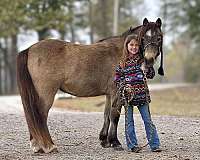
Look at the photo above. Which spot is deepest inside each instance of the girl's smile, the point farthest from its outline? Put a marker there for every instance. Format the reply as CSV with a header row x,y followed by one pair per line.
x,y
133,47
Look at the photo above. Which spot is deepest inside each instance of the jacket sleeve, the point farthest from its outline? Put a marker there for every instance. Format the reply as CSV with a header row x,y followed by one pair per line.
x,y
119,76
150,73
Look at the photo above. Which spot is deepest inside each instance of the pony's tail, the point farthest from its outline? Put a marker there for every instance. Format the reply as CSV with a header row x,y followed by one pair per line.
x,y
32,105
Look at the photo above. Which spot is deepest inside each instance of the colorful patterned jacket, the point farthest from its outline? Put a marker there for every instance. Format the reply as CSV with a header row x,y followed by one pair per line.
x,y
133,76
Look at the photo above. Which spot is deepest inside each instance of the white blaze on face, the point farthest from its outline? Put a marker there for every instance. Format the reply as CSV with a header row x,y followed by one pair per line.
x,y
149,53
149,33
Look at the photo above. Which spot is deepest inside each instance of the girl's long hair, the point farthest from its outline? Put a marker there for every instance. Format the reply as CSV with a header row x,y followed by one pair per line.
x,y
125,49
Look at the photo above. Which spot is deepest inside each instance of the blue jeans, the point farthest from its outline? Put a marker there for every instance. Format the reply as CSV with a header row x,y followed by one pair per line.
x,y
150,128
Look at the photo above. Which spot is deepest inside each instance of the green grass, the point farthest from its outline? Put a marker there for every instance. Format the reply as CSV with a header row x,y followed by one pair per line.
x,y
183,101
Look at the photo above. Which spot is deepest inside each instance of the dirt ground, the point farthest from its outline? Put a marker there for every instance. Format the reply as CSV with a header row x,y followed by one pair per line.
x,y
76,135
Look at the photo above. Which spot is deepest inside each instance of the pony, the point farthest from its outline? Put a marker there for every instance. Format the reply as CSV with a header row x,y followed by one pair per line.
x,y
80,70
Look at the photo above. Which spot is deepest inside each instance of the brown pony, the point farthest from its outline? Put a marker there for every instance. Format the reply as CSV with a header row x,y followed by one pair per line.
x,y
80,70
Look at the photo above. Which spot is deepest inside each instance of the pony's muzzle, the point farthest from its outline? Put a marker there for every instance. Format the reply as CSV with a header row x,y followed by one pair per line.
x,y
149,61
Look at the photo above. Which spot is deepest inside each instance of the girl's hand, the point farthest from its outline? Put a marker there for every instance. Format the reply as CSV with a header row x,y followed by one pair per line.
x,y
143,67
128,88
128,85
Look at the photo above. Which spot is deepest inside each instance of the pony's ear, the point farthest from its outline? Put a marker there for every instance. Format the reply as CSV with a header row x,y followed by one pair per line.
x,y
145,22
130,28
159,22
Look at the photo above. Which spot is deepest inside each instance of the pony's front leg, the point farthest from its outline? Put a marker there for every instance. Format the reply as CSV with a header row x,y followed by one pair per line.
x,y
104,131
114,118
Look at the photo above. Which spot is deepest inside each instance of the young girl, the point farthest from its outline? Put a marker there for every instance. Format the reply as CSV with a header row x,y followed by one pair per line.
x,y
131,83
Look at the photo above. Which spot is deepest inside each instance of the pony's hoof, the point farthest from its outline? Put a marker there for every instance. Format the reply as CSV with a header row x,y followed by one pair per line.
x,y
52,149
115,143
117,147
35,147
105,144
38,149
102,137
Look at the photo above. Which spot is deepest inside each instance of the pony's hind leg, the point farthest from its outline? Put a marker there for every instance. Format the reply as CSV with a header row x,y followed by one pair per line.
x,y
104,131
114,118
34,145
46,144
37,89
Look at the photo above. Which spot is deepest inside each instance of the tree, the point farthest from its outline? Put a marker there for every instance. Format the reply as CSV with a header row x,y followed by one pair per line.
x,y
42,16
128,14
103,16
11,18
182,15
182,18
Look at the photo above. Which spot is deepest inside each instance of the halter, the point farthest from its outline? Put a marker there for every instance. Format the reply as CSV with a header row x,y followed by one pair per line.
x,y
159,45
152,43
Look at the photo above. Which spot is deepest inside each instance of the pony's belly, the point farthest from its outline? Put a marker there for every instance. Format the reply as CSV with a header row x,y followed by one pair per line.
x,y
85,90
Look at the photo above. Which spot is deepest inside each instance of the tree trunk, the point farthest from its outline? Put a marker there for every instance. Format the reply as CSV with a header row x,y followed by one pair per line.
x,y
43,33
115,17
71,25
72,32
165,16
6,68
13,54
91,23
1,59
103,6
62,34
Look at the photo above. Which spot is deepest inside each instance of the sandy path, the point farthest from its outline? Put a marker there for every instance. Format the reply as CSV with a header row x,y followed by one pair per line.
x,y
76,135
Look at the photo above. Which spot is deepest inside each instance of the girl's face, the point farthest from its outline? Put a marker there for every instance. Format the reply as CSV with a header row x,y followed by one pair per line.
x,y
133,47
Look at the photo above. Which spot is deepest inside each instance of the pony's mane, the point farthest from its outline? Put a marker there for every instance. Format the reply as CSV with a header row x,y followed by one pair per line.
x,y
101,40
130,30
125,34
